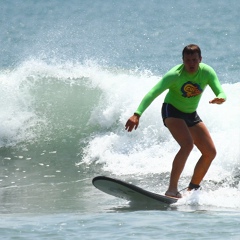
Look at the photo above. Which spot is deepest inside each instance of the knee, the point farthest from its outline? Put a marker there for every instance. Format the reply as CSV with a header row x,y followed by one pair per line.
x,y
211,153
187,146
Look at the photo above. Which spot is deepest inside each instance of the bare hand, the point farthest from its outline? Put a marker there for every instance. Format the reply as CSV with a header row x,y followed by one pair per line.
x,y
217,100
132,122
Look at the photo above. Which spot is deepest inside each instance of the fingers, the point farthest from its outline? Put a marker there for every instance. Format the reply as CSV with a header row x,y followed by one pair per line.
x,y
217,100
132,123
129,126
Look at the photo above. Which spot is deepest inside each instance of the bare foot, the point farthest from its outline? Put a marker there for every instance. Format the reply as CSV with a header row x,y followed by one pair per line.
x,y
173,194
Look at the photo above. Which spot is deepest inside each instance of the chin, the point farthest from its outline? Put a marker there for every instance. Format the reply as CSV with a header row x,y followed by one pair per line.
x,y
192,70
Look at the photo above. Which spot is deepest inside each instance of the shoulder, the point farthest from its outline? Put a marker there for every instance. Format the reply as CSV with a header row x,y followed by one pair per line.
x,y
208,71
206,68
175,71
177,68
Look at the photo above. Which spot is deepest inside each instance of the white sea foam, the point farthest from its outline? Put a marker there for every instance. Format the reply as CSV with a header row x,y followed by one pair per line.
x,y
150,149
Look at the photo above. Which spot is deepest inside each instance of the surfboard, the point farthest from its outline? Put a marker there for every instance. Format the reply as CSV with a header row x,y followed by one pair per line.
x,y
130,192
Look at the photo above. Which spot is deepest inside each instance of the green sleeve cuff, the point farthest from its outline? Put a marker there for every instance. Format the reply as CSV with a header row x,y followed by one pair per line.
x,y
137,113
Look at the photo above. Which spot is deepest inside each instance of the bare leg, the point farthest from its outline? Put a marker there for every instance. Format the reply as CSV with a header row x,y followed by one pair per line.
x,y
204,143
182,135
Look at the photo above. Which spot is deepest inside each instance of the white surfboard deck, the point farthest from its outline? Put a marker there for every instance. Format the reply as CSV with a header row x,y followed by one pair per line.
x,y
130,192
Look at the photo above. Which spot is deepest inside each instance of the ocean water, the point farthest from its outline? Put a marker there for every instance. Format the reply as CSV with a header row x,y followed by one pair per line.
x,y
71,74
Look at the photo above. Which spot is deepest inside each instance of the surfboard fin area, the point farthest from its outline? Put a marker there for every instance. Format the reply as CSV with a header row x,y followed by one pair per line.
x,y
129,192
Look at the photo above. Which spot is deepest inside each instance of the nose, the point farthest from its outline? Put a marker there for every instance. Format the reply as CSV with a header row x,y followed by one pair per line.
x,y
191,62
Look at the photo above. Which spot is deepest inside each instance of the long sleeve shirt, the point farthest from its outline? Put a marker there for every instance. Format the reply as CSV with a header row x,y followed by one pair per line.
x,y
184,89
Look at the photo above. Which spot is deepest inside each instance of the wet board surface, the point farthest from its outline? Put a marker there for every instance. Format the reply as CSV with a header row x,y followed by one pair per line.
x,y
130,192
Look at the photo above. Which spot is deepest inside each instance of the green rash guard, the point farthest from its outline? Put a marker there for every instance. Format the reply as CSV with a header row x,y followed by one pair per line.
x,y
185,89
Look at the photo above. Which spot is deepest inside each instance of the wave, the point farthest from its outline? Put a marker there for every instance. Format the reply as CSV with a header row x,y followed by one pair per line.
x,y
85,105
38,98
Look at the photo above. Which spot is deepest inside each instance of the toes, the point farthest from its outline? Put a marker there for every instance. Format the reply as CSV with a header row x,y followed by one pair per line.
x,y
173,194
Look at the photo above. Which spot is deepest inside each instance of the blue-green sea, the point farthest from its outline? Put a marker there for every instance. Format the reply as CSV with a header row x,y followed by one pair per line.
x,y
71,74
